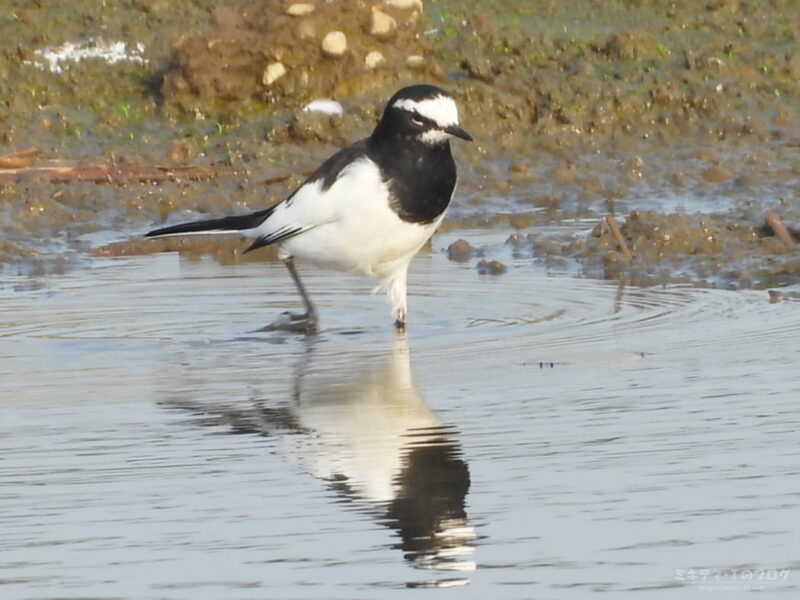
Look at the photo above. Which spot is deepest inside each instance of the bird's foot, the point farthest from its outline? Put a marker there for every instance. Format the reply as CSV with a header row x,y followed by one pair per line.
x,y
296,323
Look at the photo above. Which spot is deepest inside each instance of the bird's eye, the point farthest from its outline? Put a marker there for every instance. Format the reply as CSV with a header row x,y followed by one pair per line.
x,y
416,121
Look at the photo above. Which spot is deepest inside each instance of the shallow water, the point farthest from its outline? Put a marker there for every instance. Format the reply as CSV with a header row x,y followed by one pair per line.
x,y
533,436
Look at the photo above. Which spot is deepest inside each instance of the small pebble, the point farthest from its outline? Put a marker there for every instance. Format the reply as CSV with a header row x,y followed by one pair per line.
x,y
404,4
492,267
382,25
334,43
325,106
373,59
415,60
460,251
301,9
272,73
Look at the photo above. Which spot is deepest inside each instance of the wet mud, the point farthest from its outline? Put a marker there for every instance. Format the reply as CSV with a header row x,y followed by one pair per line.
x,y
679,120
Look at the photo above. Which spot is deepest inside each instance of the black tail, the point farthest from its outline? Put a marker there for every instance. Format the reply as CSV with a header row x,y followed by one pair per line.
x,y
235,223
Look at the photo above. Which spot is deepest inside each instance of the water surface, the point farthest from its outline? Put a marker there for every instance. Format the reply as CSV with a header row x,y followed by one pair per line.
x,y
532,436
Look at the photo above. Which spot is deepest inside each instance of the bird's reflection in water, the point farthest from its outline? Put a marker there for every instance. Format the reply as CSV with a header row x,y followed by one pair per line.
x,y
363,428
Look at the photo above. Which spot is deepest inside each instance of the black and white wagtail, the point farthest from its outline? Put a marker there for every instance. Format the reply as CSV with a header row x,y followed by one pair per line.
x,y
368,208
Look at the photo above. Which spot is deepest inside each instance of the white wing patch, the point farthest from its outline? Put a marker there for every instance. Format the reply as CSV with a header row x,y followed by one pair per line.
x,y
442,110
306,209
350,226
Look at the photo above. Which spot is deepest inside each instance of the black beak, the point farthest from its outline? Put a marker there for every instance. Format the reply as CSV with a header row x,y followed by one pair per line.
x,y
458,132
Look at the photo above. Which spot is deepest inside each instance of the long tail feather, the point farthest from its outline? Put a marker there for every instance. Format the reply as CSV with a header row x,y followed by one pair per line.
x,y
223,225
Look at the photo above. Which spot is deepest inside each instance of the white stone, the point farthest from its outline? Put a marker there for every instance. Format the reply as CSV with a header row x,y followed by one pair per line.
x,y
334,43
382,25
404,4
373,59
325,106
415,60
300,9
273,72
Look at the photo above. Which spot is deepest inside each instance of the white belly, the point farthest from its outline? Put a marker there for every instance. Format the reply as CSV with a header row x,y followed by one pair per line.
x,y
351,226
371,244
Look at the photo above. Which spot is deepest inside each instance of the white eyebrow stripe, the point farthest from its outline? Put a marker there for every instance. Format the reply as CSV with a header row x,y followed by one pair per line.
x,y
441,110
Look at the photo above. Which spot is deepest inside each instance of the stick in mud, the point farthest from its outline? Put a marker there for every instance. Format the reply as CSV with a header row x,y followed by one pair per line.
x,y
286,176
111,173
20,158
779,228
17,164
623,246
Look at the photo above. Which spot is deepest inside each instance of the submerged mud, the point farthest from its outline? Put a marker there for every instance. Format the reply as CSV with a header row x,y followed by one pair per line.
x,y
681,120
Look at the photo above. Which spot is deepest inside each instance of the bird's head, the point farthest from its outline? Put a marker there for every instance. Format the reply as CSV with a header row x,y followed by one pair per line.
x,y
422,112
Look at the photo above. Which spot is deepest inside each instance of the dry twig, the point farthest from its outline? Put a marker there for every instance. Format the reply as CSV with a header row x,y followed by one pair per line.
x,y
623,246
110,173
18,159
779,228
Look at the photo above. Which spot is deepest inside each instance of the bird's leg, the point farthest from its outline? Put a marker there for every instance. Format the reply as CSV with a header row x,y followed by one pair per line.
x,y
305,322
308,320
397,296
399,314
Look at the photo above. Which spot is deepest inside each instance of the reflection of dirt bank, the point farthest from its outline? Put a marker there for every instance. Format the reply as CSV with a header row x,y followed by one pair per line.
x,y
579,111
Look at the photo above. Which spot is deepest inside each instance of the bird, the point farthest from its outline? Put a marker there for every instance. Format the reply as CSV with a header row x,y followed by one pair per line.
x,y
367,209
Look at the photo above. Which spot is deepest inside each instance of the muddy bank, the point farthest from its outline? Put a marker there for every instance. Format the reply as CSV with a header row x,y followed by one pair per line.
x,y
605,108
529,77
648,248
287,53
640,70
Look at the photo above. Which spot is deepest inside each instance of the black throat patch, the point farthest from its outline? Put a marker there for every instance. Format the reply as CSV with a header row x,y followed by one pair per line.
x,y
421,177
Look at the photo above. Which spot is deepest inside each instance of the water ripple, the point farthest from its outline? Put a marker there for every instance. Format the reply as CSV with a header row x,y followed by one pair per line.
x,y
534,436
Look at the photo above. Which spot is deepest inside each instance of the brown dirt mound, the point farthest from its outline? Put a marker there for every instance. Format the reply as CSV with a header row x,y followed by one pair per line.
x,y
263,53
